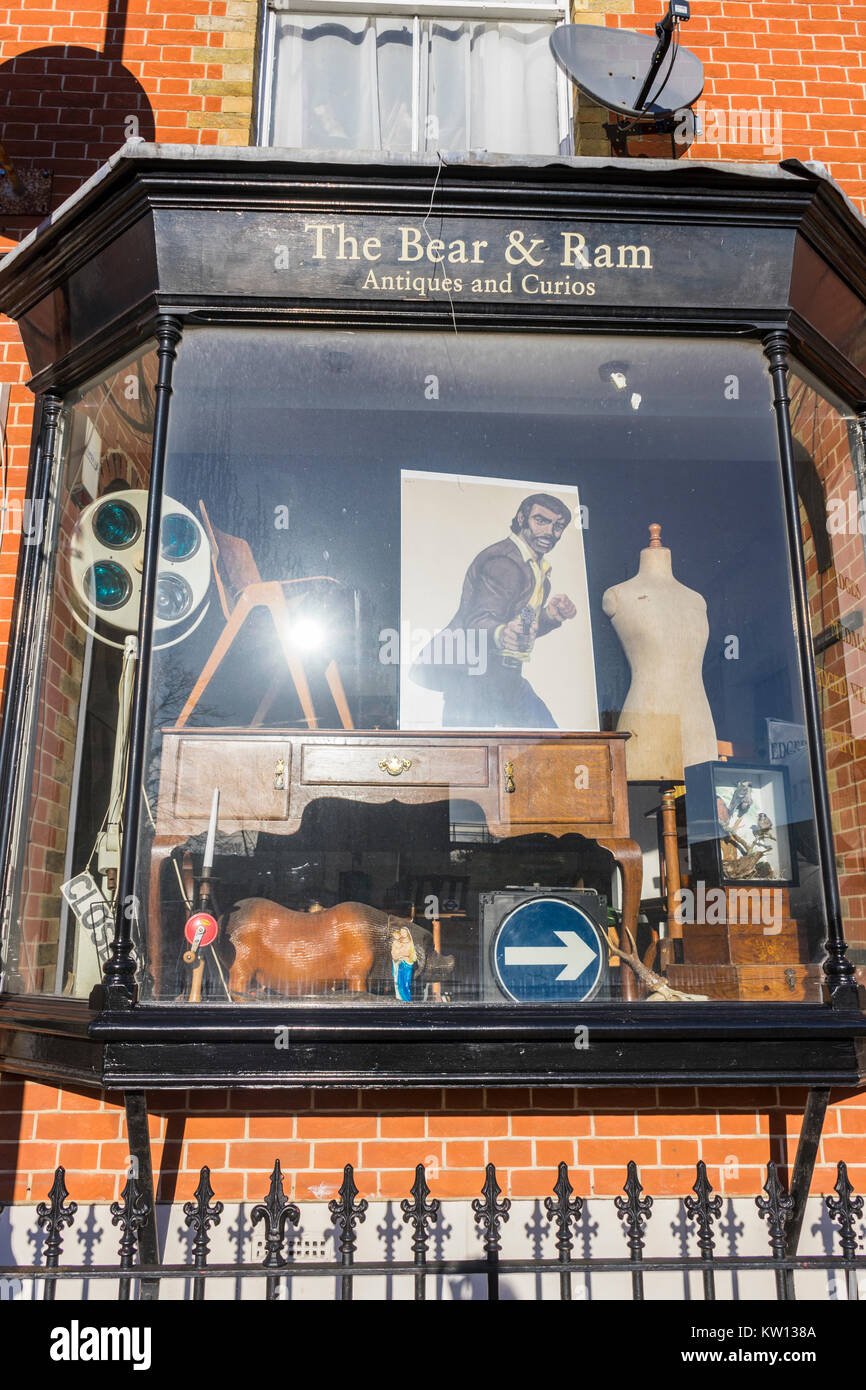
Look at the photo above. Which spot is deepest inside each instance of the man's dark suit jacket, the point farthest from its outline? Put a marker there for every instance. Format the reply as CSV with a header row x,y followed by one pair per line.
x,y
497,586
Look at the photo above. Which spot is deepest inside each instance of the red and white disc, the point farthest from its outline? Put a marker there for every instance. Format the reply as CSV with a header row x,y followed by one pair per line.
x,y
200,929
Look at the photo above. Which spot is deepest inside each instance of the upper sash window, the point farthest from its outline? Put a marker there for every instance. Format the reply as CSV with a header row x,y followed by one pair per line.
x,y
446,76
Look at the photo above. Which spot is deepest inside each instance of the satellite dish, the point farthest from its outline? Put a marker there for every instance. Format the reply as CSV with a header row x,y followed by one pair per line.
x,y
610,67
628,73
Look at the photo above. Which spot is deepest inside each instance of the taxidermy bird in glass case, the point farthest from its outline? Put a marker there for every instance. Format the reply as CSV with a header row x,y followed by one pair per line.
x,y
741,800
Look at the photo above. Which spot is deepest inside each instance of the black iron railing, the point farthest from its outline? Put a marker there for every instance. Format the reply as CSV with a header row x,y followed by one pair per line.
x,y
421,1211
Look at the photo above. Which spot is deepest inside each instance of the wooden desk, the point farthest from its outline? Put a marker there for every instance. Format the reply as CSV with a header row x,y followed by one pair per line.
x,y
523,783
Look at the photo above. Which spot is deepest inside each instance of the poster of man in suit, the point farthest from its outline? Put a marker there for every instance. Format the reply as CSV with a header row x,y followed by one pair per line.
x,y
495,629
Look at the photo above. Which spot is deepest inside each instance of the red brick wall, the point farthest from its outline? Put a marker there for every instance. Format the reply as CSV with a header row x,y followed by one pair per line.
x,y
801,59
453,1133
193,66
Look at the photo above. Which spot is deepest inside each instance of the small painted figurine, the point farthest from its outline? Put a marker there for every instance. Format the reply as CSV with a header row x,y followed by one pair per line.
x,y
404,958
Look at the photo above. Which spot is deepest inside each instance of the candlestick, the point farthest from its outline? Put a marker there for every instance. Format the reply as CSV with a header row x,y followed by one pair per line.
x,y
211,834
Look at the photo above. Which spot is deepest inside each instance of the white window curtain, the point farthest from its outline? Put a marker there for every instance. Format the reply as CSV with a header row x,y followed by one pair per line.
x,y
355,83
490,87
343,83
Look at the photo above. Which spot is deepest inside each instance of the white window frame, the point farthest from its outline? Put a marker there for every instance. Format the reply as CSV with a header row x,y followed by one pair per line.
x,y
489,10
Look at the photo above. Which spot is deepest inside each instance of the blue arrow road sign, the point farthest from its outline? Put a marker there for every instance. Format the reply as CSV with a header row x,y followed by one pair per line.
x,y
548,949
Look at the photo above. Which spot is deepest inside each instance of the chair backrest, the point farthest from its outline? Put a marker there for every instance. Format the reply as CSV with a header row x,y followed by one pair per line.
x,y
233,564
451,893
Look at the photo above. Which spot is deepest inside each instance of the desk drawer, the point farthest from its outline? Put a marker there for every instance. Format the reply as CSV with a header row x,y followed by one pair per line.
x,y
367,765
253,786
555,784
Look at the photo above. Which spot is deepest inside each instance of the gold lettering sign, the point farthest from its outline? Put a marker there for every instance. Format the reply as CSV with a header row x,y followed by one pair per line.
x,y
403,258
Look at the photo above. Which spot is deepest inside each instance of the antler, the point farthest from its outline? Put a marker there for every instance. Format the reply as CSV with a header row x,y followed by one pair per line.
x,y
643,972
656,984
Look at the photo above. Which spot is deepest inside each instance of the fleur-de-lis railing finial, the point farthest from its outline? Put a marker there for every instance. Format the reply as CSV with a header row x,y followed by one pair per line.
x,y
130,1214
490,1212
845,1209
634,1210
564,1209
346,1214
492,1215
201,1215
420,1212
775,1209
705,1209
277,1212
53,1215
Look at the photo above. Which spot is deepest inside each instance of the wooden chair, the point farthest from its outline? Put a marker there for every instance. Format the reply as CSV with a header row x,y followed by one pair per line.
x,y
241,591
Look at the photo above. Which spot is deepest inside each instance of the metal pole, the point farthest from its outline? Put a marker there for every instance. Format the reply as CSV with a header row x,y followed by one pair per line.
x,y
138,1134
804,1164
839,971
420,1276
119,975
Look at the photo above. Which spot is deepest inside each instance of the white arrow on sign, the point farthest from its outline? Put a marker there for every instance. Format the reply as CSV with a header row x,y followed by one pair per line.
x,y
573,955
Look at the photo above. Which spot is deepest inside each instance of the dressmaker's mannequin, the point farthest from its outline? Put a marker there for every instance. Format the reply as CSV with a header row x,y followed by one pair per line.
x,y
663,628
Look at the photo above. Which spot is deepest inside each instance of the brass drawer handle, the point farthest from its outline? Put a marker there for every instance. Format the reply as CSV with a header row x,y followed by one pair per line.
x,y
509,777
280,775
394,765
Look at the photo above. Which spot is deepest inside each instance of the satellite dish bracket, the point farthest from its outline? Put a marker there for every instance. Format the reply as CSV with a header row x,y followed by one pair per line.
x,y
619,132
676,11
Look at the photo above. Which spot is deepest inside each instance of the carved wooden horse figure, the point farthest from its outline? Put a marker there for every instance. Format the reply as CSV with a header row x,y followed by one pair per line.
x,y
346,946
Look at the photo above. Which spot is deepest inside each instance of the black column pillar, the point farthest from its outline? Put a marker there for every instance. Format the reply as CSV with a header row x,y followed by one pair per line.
x,y
119,975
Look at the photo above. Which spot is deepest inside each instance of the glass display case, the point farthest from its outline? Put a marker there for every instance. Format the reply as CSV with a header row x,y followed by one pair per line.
x,y
450,674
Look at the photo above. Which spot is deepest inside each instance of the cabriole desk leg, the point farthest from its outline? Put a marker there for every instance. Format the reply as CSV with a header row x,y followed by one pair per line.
x,y
627,854
159,852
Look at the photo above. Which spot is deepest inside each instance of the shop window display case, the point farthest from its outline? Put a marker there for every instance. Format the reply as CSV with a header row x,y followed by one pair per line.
x,y
444,639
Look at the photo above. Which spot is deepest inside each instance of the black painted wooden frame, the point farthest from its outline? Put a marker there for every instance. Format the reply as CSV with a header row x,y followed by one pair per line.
x,y
116,1042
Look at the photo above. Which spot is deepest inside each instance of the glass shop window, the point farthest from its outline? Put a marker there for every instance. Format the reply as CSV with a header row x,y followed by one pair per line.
x,y
468,78
485,699
831,476
65,849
